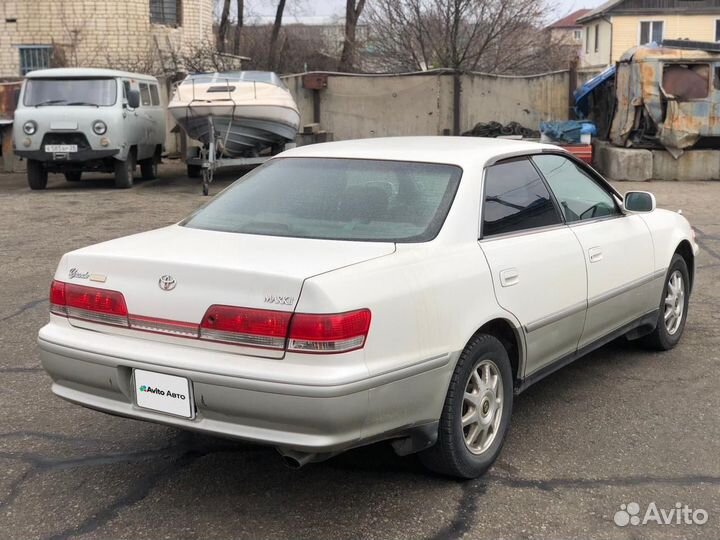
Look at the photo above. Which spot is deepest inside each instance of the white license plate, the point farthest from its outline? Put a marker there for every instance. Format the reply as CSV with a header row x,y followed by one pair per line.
x,y
163,393
60,148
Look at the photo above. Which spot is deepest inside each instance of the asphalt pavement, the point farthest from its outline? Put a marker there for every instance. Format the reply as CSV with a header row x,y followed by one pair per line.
x,y
620,426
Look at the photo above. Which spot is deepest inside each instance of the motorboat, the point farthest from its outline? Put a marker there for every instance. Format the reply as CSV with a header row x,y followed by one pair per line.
x,y
241,113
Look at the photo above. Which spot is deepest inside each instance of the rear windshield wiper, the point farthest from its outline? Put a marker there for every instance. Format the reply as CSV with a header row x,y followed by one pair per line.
x,y
50,102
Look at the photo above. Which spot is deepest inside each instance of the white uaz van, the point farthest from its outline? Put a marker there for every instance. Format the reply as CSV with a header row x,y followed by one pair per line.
x,y
71,120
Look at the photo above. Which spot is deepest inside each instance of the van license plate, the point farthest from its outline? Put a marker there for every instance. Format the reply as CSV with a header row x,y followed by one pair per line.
x,y
163,393
60,148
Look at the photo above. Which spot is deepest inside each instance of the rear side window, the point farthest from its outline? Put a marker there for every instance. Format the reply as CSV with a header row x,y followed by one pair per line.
x,y
144,95
516,199
154,95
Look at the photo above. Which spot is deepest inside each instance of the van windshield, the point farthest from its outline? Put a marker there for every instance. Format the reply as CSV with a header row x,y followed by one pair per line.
x,y
336,199
63,92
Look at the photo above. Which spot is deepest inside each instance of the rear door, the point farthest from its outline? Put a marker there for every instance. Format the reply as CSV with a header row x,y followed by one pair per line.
x,y
618,248
537,264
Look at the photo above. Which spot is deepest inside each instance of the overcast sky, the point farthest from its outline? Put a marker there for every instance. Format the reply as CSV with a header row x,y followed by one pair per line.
x,y
328,8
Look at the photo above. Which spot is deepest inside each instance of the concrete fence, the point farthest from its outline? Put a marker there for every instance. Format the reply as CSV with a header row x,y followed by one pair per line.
x,y
430,103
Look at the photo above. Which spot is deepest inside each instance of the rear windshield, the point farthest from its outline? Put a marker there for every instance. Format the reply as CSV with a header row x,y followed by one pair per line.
x,y
336,199
59,92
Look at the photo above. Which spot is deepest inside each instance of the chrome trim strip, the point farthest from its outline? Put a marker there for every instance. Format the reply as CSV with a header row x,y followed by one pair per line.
x,y
524,232
555,317
609,295
577,308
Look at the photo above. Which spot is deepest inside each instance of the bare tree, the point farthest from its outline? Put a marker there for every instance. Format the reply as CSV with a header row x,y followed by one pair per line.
x,y
238,26
275,35
457,34
353,10
223,27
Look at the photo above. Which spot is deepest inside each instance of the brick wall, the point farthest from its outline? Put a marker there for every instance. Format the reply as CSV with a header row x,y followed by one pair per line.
x,y
97,33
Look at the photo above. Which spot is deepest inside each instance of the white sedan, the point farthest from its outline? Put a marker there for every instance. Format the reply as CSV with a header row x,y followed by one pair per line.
x,y
399,289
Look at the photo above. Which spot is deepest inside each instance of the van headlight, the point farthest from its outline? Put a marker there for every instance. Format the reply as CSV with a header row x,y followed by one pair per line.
x,y
99,127
29,127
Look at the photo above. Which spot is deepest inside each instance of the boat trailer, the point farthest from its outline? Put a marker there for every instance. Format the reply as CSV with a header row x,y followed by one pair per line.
x,y
209,158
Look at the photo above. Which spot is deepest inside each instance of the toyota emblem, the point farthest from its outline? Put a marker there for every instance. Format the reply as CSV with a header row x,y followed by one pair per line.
x,y
167,283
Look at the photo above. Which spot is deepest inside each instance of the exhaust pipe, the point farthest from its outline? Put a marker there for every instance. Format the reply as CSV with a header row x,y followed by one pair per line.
x,y
295,460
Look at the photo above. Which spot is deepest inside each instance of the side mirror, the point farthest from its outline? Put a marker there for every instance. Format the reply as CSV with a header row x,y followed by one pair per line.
x,y
133,99
639,202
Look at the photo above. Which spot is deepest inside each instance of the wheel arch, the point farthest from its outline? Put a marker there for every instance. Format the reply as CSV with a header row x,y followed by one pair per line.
x,y
511,338
684,249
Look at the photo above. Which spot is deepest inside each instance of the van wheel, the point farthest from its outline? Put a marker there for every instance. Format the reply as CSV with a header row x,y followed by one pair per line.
x,y
149,168
37,175
73,176
194,171
124,172
477,410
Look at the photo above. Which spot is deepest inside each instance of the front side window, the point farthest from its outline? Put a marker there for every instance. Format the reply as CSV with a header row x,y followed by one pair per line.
x,y
651,32
59,92
32,58
145,95
516,199
579,196
154,95
336,199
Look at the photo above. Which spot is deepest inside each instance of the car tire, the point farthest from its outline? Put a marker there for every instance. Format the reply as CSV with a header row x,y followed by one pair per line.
x,y
673,308
37,175
149,168
452,454
125,172
73,176
194,171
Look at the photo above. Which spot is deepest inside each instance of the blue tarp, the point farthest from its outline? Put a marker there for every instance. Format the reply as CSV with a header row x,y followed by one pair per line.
x,y
582,103
568,131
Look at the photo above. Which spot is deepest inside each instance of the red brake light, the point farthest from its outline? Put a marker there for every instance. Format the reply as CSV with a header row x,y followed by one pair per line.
x,y
340,332
245,326
88,303
57,298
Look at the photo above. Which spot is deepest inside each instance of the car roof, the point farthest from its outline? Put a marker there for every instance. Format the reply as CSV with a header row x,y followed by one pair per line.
x,y
460,151
72,73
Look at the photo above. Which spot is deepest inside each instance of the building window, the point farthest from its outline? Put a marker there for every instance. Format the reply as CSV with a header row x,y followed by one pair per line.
x,y
577,34
717,30
34,57
597,37
651,32
165,12
587,39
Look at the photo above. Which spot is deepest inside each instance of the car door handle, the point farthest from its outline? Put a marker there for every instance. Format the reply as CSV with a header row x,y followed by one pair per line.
x,y
595,254
509,277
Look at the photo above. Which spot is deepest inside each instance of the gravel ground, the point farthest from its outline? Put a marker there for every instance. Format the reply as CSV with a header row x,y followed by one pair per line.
x,y
619,426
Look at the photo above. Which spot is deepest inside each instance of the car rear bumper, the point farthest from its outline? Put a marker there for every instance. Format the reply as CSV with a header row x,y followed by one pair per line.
x,y
319,418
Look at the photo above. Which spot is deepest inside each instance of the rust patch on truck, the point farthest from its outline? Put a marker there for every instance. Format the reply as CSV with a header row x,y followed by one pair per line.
x,y
667,97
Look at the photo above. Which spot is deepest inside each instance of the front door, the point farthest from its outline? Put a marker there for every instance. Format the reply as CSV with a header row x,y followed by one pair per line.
x,y
536,261
618,248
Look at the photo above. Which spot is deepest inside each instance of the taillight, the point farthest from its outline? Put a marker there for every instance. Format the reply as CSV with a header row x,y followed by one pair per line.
x,y
335,333
244,326
88,303
57,298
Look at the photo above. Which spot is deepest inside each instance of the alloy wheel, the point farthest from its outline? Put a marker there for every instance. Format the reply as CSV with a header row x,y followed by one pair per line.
x,y
482,406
